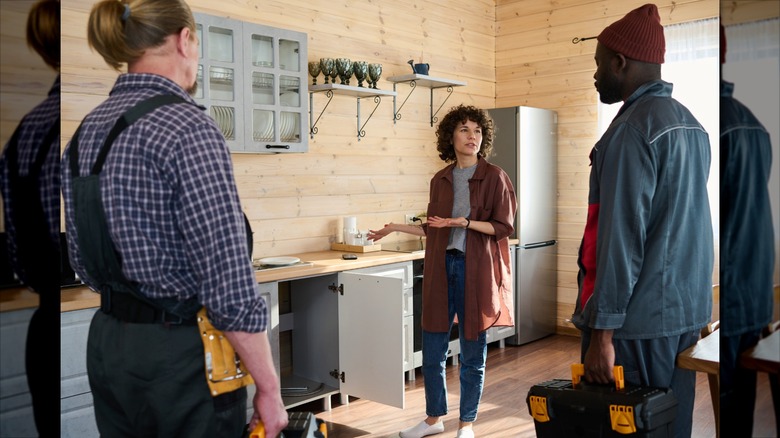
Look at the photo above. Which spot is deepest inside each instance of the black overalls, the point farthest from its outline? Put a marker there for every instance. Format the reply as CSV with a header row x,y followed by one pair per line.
x,y
144,356
118,295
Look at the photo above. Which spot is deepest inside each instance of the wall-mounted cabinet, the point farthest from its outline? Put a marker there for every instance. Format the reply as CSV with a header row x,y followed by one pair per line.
x,y
250,79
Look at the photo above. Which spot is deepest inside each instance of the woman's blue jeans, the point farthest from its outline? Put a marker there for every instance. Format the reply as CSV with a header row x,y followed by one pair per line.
x,y
472,354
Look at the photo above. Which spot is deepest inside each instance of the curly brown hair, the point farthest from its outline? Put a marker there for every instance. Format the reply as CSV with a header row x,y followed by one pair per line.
x,y
457,115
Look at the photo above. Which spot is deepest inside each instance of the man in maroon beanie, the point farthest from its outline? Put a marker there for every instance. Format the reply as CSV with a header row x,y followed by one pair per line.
x,y
646,258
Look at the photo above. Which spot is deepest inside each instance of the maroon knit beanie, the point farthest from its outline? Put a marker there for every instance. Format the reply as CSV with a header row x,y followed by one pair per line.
x,y
639,35
722,44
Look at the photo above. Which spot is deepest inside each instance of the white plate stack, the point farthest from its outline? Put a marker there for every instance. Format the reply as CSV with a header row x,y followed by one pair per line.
x,y
263,125
224,116
288,127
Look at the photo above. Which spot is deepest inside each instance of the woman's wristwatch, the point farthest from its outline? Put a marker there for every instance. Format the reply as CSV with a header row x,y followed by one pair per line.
x,y
468,222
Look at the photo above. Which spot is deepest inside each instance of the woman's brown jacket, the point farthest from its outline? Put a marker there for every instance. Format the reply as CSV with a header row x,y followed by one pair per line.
x,y
489,296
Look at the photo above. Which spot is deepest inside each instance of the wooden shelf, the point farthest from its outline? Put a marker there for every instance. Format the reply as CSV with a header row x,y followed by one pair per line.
x,y
426,81
414,80
347,90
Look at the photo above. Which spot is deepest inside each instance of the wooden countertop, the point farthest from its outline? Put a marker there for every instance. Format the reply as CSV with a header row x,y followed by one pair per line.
x,y
328,262
322,263
316,263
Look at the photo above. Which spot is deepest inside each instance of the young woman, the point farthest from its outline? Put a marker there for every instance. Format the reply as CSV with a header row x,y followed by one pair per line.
x,y
471,213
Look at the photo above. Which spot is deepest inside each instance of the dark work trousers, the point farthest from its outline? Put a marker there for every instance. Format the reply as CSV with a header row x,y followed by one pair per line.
x,y
651,362
42,352
148,380
737,386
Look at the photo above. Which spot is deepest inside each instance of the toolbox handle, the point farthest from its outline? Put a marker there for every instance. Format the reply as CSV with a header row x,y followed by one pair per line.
x,y
578,370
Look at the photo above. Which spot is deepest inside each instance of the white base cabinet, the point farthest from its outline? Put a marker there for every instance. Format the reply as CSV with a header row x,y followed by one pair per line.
x,y
349,329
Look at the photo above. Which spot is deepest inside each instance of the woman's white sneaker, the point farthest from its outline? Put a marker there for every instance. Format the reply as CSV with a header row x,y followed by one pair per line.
x,y
423,429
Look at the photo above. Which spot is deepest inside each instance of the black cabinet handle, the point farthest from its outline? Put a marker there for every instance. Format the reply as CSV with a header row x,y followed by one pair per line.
x,y
277,146
539,244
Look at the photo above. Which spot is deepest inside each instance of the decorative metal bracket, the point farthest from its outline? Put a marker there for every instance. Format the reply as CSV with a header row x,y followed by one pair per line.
x,y
313,123
397,112
415,80
361,132
357,92
434,119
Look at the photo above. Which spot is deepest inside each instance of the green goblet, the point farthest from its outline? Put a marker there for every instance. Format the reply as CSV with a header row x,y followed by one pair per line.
x,y
374,72
344,69
361,71
328,68
314,71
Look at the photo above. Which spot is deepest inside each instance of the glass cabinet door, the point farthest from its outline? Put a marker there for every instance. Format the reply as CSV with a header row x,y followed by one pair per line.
x,y
274,60
219,76
250,78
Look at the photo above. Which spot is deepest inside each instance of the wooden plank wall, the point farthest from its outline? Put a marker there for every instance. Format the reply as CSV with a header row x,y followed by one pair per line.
x,y
295,201
537,65
510,52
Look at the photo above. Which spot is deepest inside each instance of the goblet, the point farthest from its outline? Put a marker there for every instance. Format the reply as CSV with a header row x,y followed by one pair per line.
x,y
344,69
361,71
374,72
314,71
328,68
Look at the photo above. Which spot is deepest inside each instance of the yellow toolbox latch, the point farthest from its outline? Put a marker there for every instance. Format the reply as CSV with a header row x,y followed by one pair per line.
x,y
539,408
622,419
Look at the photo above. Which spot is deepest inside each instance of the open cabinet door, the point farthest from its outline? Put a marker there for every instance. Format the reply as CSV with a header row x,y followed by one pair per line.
x,y
371,338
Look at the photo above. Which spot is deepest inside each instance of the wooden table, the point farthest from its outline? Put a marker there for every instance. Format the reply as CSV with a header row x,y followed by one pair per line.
x,y
765,357
704,356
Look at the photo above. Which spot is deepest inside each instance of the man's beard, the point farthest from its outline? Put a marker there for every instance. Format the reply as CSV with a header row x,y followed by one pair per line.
x,y
193,89
609,90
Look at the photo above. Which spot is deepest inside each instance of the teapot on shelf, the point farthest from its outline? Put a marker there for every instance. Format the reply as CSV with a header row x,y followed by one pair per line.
x,y
420,69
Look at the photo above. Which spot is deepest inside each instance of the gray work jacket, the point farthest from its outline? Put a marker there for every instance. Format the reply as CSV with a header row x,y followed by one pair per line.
x,y
646,257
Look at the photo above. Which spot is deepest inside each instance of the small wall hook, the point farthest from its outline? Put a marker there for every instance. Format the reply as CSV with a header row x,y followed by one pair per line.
x,y
576,40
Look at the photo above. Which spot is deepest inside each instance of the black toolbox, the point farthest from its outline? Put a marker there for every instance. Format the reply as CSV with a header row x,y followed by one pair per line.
x,y
561,408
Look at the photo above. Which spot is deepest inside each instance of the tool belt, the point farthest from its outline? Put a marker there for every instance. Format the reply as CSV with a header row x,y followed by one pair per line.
x,y
224,370
126,307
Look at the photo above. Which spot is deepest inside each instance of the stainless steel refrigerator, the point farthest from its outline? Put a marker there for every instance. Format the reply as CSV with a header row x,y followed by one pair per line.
x,y
525,145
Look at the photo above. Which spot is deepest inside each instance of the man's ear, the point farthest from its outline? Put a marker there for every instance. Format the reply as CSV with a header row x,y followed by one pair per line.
x,y
183,40
619,62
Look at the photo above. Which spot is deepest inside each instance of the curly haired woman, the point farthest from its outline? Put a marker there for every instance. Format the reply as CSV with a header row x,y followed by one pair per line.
x,y
471,212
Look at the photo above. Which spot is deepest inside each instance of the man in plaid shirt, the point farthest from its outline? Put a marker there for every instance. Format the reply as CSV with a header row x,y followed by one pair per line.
x,y
173,215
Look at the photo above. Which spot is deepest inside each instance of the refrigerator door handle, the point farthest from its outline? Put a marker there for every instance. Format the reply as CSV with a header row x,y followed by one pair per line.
x,y
539,244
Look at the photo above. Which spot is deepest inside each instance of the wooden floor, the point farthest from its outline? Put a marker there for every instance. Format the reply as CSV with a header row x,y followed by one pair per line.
x,y
503,413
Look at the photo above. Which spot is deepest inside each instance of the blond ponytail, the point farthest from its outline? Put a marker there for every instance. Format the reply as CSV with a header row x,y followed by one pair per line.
x,y
122,31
